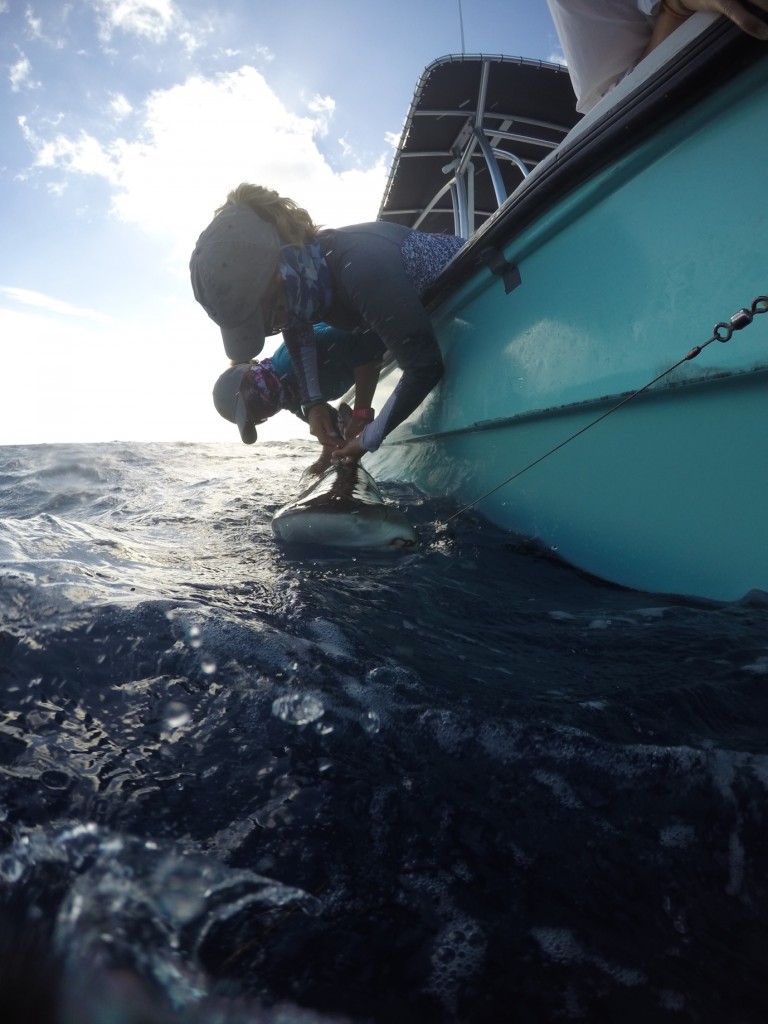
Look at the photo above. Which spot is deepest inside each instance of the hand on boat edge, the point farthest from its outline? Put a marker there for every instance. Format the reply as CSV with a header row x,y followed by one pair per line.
x,y
730,9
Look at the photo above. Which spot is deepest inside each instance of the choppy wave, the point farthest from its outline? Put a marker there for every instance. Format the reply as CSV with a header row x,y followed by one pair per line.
x,y
244,783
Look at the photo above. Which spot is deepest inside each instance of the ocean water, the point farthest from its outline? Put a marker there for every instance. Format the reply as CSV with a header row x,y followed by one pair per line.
x,y
245,783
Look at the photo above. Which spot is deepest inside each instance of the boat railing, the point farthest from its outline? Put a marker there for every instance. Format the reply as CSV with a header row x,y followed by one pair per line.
x,y
491,129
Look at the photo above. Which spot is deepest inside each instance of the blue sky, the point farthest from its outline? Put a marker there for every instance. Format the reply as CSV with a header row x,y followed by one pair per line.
x,y
125,123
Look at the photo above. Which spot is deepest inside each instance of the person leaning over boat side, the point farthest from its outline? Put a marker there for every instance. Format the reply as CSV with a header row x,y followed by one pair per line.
x,y
250,393
603,40
262,266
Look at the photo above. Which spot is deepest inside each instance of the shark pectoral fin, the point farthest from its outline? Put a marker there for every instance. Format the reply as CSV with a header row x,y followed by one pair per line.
x,y
345,414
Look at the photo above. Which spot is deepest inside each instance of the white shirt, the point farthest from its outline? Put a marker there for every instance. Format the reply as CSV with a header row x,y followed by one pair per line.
x,y
602,41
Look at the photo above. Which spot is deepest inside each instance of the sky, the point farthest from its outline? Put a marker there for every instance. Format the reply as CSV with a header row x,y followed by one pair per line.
x,y
124,124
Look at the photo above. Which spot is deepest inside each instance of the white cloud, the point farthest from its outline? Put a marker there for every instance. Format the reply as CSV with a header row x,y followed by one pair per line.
x,y
34,24
198,140
20,75
96,382
40,301
39,31
120,106
322,107
346,150
83,387
83,154
154,20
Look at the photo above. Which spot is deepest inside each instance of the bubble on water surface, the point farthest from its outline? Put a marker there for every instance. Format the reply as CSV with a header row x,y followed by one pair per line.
x,y
371,722
11,868
176,715
54,779
298,708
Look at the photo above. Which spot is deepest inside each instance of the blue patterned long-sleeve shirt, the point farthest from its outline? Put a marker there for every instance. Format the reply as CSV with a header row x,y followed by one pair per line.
x,y
379,272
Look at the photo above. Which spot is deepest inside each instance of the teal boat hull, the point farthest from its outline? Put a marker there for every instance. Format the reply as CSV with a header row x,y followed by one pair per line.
x,y
619,279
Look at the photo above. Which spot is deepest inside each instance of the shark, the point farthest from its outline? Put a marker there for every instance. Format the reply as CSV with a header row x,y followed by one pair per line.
x,y
343,508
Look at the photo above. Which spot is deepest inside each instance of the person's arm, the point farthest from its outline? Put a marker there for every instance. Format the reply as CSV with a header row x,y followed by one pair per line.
x,y
391,308
366,379
411,390
602,46
373,283
300,341
673,13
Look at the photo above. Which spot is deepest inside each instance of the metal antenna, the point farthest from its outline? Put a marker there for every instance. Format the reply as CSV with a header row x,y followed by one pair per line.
x,y
461,26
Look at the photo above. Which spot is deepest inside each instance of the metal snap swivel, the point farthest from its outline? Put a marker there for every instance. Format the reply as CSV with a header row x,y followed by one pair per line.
x,y
741,319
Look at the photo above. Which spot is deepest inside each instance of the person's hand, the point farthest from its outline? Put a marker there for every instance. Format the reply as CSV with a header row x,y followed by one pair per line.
x,y
738,14
350,451
354,428
322,427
